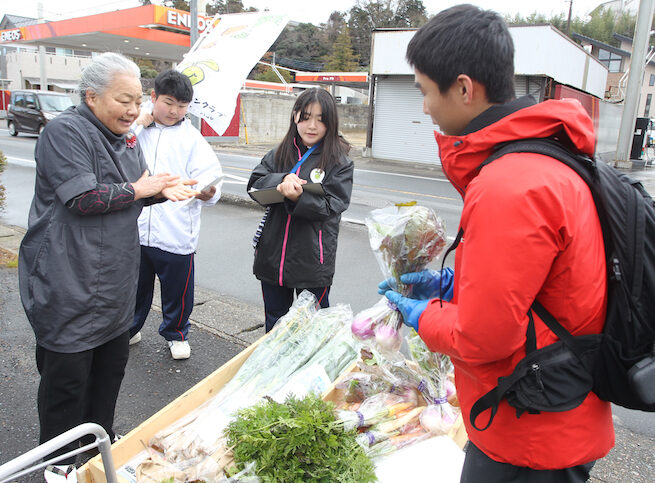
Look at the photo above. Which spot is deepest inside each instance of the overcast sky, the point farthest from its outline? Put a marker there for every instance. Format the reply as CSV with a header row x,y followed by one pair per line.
x,y
301,10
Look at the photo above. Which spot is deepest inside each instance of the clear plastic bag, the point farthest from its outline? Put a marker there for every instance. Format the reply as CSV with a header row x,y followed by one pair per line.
x,y
433,366
374,410
379,324
302,338
405,238
436,369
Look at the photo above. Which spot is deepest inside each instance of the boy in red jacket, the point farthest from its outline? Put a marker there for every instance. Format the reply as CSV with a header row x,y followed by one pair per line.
x,y
530,232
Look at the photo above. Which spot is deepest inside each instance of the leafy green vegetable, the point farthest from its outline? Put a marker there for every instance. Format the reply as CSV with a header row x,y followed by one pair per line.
x,y
405,238
297,441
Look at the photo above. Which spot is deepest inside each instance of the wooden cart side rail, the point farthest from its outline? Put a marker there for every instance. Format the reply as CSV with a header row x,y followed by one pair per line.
x,y
133,443
330,393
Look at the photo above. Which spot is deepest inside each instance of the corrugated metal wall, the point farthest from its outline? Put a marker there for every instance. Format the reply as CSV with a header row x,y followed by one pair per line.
x,y
520,85
400,129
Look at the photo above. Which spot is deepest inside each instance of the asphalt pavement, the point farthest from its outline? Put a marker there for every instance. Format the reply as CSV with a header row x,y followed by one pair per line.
x,y
222,326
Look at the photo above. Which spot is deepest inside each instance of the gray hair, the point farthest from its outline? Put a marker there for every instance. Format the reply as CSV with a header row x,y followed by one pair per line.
x,y
100,73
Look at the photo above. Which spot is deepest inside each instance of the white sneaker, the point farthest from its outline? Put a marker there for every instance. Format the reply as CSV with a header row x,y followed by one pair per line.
x,y
136,338
60,474
180,349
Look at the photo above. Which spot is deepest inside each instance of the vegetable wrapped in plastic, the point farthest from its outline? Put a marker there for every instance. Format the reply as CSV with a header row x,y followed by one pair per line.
x,y
301,339
432,365
440,415
374,410
405,238
380,323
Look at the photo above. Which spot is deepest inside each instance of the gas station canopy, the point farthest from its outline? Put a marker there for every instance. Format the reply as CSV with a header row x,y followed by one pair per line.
x,y
356,80
149,31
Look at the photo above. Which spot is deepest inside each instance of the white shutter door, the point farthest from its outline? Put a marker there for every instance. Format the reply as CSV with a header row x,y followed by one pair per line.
x,y
520,86
400,129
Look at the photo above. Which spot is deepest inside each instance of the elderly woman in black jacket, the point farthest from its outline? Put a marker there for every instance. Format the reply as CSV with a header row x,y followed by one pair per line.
x,y
79,259
296,242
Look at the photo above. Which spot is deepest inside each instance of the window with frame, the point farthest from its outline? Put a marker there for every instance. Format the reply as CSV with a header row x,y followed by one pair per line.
x,y
19,101
610,60
651,82
649,98
30,101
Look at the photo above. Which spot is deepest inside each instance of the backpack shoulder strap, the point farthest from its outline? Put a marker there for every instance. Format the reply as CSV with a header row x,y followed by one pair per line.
x,y
580,163
585,166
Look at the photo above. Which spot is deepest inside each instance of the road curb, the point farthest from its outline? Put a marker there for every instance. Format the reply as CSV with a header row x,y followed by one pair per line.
x,y
10,237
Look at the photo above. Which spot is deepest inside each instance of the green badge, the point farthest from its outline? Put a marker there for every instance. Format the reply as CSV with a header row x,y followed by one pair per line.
x,y
317,175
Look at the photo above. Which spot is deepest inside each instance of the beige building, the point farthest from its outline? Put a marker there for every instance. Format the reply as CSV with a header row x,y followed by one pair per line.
x,y
63,69
617,61
20,65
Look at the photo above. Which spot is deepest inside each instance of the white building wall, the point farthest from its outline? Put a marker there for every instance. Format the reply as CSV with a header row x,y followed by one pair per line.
x,y
400,129
538,51
543,50
388,52
22,65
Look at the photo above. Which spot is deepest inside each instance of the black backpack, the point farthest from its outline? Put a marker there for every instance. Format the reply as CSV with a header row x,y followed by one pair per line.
x,y
619,364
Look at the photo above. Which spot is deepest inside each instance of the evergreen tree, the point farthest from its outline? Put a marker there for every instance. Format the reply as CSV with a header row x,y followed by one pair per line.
x,y
367,15
334,26
410,13
342,58
269,76
148,70
227,6
602,24
304,41
179,4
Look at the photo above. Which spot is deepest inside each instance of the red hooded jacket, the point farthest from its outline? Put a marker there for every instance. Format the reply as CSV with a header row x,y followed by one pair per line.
x,y
531,231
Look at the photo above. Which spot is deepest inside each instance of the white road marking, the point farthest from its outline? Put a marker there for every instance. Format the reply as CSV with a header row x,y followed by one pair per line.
x,y
429,178
238,179
21,161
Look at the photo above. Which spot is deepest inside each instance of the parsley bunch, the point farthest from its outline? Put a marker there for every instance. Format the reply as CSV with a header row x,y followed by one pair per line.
x,y
297,441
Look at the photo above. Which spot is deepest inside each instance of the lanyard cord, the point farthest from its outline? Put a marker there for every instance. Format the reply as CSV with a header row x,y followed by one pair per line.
x,y
304,157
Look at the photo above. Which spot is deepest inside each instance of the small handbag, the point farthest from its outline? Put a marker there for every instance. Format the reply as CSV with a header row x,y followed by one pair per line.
x,y
555,378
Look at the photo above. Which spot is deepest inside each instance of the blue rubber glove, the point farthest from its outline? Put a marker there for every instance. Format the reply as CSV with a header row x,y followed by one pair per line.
x,y
410,309
425,284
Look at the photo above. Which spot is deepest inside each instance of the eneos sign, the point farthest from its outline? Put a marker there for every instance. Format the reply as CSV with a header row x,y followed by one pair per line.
x,y
10,35
175,18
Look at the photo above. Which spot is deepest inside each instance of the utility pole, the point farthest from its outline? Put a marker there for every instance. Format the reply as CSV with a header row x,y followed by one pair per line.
x,y
42,73
635,81
568,22
193,4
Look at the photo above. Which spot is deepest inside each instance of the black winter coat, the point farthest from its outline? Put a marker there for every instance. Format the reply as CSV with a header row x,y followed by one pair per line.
x,y
298,244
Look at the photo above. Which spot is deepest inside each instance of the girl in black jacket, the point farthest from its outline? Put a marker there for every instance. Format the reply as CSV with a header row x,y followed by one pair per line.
x,y
296,242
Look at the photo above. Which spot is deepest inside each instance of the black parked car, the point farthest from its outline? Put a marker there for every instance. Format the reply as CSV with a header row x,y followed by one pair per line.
x,y
30,110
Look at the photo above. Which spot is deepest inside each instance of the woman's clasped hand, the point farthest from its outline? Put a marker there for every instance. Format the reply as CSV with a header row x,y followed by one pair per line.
x,y
164,185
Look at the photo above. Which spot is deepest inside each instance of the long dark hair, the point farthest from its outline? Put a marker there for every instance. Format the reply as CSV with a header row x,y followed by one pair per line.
x,y
333,146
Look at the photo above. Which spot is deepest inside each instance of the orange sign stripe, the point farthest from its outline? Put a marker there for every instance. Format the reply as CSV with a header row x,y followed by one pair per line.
x,y
153,35
109,22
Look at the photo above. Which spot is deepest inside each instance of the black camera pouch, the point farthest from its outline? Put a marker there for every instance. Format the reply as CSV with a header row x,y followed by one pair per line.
x,y
555,378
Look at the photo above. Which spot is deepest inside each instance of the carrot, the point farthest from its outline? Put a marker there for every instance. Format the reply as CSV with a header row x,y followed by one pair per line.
x,y
390,426
399,407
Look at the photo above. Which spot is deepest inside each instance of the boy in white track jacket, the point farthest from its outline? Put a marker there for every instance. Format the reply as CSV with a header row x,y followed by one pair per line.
x,y
168,232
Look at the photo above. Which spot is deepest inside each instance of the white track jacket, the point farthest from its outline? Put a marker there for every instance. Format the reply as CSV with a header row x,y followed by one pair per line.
x,y
179,150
